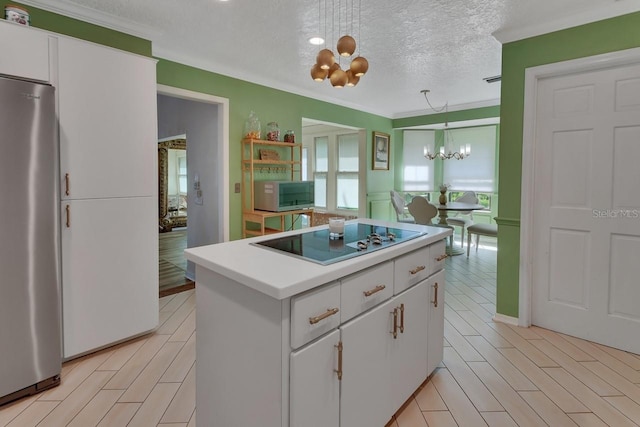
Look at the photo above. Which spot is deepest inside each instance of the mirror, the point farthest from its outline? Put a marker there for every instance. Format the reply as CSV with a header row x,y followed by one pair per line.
x,y
172,181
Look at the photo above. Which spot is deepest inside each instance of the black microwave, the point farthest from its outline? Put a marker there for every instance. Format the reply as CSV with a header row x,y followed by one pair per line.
x,y
279,196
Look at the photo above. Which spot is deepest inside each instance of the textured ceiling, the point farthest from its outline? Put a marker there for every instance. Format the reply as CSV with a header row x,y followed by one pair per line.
x,y
446,46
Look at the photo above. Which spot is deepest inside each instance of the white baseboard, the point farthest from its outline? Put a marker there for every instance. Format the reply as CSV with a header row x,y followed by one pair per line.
x,y
506,319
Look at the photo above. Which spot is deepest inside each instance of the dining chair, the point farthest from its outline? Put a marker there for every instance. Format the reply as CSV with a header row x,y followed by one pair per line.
x,y
490,230
398,205
423,212
463,219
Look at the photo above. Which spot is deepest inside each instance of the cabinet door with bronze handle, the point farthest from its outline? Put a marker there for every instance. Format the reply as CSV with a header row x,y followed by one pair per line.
x,y
68,212
395,323
401,318
435,295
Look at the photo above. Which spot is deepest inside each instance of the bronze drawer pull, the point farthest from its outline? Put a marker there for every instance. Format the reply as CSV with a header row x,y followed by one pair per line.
x,y
441,257
339,370
374,290
417,269
329,312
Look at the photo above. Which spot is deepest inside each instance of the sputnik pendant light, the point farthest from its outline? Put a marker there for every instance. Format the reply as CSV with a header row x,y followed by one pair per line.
x,y
326,64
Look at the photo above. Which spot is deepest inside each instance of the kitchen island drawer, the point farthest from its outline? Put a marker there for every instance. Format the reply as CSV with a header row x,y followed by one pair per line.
x,y
437,255
366,289
314,313
410,269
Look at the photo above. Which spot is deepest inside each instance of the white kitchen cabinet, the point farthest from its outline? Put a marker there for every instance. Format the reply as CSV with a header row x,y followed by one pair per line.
x,y
108,121
274,345
109,270
315,387
108,164
25,52
435,287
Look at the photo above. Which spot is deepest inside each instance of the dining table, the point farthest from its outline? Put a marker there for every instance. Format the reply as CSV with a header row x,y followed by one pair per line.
x,y
443,213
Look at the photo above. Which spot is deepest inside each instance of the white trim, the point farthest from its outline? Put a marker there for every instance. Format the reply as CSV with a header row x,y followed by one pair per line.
x,y
223,148
93,16
506,319
607,10
457,107
532,75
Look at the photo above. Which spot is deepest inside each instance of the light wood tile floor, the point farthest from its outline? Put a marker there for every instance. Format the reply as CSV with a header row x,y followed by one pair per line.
x,y
493,374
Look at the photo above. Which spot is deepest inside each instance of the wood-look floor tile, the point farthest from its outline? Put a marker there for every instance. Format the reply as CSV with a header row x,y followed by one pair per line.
x,y
462,346
473,306
473,387
526,333
543,381
81,371
428,398
521,413
11,410
96,409
392,423
499,419
184,402
179,316
120,415
130,371
546,409
439,419
73,404
538,357
32,415
587,420
460,407
593,381
618,360
192,421
410,415
162,302
510,373
458,322
485,330
590,399
451,301
172,425
122,354
152,409
177,301
186,329
616,380
148,378
571,350
177,371
625,405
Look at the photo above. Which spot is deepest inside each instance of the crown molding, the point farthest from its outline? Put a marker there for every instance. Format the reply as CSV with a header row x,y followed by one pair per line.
x,y
211,66
457,107
92,16
609,10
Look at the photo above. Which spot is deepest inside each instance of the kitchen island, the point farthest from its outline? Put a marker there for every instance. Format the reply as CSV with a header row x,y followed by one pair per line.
x,y
285,341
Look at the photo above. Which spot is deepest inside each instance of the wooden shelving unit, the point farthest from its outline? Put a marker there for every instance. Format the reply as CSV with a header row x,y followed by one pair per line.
x,y
287,166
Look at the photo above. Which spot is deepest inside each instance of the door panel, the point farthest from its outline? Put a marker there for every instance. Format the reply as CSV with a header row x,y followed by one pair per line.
x,y
586,206
435,336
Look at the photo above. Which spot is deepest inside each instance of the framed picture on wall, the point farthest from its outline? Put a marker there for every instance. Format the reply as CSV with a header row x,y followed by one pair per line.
x,y
381,151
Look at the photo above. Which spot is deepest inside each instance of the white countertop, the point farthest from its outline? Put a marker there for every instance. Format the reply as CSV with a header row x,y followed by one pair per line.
x,y
281,276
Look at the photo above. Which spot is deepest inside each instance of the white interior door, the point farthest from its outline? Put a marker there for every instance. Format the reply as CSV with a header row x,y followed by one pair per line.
x,y
586,208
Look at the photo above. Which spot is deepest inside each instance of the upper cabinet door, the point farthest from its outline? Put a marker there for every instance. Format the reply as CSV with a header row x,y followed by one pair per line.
x,y
25,52
108,122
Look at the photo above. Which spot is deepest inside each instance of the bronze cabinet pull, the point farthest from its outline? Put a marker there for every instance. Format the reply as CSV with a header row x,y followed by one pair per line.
x,y
435,295
395,323
374,290
66,184
68,209
417,269
329,312
441,257
339,370
402,318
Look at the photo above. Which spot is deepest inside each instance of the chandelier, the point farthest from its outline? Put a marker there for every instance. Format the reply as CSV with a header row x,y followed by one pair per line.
x,y
448,144
326,66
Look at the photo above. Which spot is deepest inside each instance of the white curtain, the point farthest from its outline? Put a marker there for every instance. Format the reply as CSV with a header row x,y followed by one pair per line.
x,y
476,172
417,171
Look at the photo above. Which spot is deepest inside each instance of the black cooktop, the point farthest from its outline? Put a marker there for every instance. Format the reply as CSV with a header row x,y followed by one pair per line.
x,y
358,239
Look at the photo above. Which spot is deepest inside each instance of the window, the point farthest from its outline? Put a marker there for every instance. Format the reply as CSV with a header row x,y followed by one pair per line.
x,y
182,174
476,172
333,159
417,172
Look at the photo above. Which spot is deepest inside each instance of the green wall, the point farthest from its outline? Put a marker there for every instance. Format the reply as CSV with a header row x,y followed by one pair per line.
x,y
270,105
592,39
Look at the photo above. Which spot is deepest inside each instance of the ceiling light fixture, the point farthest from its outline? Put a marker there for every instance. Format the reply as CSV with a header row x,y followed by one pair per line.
x,y
346,47
446,148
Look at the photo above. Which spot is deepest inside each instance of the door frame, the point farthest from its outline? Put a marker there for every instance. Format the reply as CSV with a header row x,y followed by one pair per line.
x,y
223,148
528,187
